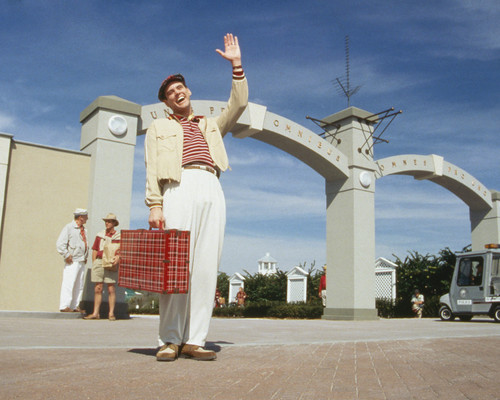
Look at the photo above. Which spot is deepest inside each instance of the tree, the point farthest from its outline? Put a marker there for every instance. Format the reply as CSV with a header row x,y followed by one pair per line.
x,y
271,287
313,278
429,273
223,284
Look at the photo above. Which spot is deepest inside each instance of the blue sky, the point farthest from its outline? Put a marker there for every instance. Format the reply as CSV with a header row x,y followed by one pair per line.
x,y
439,62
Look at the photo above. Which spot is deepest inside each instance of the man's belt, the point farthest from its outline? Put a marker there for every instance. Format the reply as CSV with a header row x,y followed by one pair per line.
x,y
203,167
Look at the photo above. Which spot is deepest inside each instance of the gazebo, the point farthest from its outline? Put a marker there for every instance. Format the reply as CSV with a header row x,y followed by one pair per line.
x,y
267,265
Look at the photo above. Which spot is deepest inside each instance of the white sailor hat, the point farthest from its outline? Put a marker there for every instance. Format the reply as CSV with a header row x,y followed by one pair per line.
x,y
80,211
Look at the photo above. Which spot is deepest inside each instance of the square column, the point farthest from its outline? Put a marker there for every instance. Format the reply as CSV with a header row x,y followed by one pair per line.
x,y
350,221
485,224
109,133
350,253
5,145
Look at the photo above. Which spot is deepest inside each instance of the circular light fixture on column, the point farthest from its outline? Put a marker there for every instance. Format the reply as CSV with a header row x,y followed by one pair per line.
x,y
117,125
365,179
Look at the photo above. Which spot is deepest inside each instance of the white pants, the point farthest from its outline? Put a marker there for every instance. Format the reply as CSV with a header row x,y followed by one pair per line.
x,y
72,285
196,204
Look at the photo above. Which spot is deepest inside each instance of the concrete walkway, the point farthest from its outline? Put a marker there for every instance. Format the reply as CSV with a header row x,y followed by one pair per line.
x,y
50,356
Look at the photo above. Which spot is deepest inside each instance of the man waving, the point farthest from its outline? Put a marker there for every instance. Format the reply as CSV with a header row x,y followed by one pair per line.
x,y
184,156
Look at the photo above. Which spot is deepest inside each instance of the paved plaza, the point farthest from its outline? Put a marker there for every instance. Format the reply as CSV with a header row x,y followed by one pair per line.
x,y
55,356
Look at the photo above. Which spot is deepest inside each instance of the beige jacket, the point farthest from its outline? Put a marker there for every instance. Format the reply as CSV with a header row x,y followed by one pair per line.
x,y
164,143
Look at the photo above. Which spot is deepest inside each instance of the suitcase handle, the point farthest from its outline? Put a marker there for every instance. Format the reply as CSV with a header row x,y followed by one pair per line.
x,y
160,228
176,232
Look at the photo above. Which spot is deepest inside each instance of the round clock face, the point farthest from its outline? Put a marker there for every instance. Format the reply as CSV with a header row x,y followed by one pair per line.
x,y
365,179
117,125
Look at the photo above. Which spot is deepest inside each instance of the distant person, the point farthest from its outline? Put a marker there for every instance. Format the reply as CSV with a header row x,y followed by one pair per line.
x,y
477,276
322,286
73,247
417,303
101,275
217,298
241,297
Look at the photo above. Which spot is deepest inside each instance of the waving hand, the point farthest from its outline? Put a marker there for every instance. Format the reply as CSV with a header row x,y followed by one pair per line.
x,y
232,50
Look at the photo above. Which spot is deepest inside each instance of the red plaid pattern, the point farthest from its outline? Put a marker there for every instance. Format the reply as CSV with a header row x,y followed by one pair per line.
x,y
155,261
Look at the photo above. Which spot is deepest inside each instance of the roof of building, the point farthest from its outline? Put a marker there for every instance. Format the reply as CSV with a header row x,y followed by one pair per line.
x,y
268,258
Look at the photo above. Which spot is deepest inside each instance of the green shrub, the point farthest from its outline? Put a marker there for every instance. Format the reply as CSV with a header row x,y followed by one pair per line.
x,y
272,309
257,309
297,311
287,311
223,285
431,306
430,274
228,312
385,308
262,288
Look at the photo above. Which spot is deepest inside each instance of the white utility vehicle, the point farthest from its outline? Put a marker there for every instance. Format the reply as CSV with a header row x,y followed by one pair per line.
x,y
475,287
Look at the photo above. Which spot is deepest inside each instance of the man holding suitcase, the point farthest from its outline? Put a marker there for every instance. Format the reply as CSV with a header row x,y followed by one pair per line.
x,y
184,157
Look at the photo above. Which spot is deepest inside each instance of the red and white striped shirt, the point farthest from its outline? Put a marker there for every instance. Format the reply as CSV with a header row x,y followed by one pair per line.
x,y
195,146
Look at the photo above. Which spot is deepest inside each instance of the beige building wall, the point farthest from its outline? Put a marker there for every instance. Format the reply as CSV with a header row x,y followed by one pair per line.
x,y
44,186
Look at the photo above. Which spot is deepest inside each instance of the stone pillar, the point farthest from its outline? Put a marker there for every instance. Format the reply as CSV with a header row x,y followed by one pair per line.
x,y
109,132
350,219
5,144
485,224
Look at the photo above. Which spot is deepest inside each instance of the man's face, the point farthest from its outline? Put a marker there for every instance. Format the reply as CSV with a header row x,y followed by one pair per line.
x,y
110,224
82,219
178,98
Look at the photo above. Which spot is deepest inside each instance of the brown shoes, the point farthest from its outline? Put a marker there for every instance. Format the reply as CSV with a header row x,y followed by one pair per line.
x,y
92,316
168,352
197,353
77,309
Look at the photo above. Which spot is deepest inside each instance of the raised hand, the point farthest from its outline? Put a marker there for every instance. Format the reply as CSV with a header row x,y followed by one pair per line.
x,y
232,50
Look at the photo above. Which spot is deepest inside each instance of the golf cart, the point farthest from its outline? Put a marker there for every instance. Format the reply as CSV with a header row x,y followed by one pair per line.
x,y
475,287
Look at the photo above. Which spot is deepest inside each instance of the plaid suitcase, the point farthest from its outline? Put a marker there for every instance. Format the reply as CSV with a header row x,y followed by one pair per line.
x,y
154,260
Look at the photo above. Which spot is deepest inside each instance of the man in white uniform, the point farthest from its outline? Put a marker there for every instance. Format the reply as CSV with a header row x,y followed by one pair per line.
x,y
184,156
73,247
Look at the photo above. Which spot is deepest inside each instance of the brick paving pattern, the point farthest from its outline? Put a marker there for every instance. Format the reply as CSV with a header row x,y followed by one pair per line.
x,y
456,368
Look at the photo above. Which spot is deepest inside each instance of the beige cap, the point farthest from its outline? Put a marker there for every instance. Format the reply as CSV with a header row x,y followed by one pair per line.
x,y
111,217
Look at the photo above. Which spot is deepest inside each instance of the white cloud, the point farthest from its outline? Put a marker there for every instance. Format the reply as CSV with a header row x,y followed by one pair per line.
x,y
7,122
249,204
454,29
375,79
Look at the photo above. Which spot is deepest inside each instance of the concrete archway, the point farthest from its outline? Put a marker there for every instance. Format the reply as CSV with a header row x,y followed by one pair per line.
x,y
345,161
273,129
435,169
483,204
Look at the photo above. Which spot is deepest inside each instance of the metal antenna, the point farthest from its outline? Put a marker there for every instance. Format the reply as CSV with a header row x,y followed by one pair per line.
x,y
346,90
